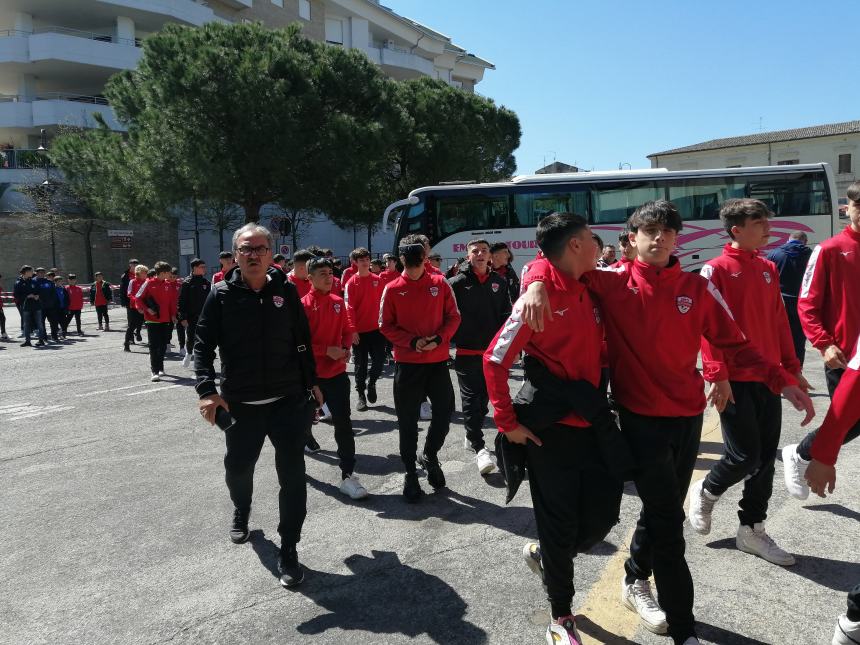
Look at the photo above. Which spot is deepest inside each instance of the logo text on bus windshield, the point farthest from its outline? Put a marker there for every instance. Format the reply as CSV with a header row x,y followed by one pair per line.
x,y
512,244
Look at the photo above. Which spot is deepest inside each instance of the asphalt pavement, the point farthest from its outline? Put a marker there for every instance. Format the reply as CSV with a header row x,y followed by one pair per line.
x,y
115,520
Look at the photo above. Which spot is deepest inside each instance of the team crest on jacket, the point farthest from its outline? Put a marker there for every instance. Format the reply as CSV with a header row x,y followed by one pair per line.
x,y
495,287
684,303
278,301
337,307
434,291
767,277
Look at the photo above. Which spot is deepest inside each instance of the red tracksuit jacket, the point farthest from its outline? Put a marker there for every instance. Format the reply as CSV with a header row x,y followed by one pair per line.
x,y
418,308
134,286
302,286
76,297
569,346
330,327
363,295
655,319
387,276
829,301
348,272
749,284
844,413
164,295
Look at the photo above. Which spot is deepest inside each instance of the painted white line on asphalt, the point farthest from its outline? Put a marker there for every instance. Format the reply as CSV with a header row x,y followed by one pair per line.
x,y
12,409
158,389
51,410
28,409
116,389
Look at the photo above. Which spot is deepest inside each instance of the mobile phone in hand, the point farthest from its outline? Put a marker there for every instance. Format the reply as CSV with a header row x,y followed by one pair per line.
x,y
223,419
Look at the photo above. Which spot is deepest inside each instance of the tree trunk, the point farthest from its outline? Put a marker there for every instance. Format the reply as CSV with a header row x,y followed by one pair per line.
x,y
252,212
369,236
294,230
88,251
221,229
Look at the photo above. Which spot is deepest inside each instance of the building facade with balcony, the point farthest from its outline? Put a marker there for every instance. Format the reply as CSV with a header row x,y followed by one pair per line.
x,y
835,143
57,55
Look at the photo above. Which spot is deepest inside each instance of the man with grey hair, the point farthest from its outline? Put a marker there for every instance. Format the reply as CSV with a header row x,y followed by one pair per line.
x,y
790,260
269,384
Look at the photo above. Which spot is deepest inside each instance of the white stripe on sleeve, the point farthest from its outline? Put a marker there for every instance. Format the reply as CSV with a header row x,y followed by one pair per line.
x,y
810,272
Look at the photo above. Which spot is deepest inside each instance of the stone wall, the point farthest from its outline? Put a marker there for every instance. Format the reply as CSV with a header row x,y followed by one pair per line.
x,y
22,243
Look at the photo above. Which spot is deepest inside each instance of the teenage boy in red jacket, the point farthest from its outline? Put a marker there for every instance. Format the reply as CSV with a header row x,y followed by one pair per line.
x,y
829,310
76,302
156,299
655,317
299,275
576,500
752,418
363,294
331,338
419,316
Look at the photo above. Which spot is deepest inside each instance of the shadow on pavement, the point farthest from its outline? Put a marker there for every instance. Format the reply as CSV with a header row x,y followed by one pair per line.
x,y
438,506
836,509
373,596
723,636
365,464
837,575
586,626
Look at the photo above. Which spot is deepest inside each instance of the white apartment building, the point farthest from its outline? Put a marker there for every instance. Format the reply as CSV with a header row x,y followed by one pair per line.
x,y
56,55
835,143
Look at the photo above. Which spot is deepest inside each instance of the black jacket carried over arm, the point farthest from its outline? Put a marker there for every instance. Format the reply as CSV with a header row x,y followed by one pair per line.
x,y
263,337
192,295
484,308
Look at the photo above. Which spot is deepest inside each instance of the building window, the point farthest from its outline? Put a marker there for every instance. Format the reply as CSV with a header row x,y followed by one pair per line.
x,y
278,3
788,162
305,9
845,164
334,31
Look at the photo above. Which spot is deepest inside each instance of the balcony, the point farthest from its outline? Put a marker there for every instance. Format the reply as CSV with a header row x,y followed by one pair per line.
x,y
399,62
187,11
55,108
69,45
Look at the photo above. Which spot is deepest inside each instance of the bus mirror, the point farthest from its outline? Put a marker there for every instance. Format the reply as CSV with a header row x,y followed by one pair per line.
x,y
409,201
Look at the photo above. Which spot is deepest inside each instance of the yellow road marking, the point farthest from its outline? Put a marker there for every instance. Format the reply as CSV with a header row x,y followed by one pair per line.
x,y
602,606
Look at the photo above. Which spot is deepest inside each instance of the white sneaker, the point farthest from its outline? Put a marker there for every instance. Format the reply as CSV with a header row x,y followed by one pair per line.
x,y
531,556
639,599
485,462
155,378
701,505
754,540
352,487
794,469
426,412
161,373
186,360
847,632
563,632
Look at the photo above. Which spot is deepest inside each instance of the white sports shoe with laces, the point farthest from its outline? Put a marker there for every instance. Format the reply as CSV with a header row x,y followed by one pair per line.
x,y
701,507
638,598
794,470
754,540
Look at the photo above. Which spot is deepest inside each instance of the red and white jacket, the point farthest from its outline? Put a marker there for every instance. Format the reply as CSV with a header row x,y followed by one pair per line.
x,y
749,284
76,297
412,309
829,300
844,413
164,294
302,286
363,295
387,276
569,346
134,286
655,319
330,327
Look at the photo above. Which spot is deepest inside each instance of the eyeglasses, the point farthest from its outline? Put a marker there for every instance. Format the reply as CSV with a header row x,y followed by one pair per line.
x,y
253,250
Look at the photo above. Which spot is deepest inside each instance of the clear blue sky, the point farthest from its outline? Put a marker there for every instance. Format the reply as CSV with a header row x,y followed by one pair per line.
x,y
599,83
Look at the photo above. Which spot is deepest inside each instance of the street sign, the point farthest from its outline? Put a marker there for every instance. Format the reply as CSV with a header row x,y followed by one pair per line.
x,y
120,233
285,250
186,247
120,242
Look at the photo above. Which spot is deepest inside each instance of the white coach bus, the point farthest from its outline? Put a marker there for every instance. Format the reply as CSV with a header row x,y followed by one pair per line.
x,y
803,198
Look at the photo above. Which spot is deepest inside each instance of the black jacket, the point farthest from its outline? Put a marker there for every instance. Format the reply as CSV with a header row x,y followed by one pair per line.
x,y
192,295
25,287
263,339
790,260
47,293
513,281
123,288
106,290
483,307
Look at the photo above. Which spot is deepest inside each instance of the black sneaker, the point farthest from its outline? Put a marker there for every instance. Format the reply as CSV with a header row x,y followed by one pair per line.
x,y
26,343
435,476
312,446
239,529
41,343
362,403
371,392
125,348
411,488
291,571
138,337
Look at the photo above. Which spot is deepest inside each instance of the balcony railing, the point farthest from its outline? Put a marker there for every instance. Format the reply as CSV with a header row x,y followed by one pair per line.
x,y
77,33
23,159
54,96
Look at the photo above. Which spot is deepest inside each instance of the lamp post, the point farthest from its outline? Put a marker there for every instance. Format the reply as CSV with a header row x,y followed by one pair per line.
x,y
47,186
624,163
